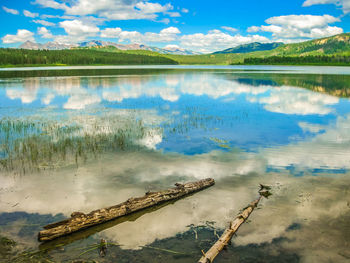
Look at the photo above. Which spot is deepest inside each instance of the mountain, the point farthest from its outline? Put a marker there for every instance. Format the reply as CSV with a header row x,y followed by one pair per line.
x,y
337,44
172,49
251,47
49,45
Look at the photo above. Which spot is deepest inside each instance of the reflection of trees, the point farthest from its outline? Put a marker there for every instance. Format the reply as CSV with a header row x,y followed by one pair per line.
x,y
83,72
336,85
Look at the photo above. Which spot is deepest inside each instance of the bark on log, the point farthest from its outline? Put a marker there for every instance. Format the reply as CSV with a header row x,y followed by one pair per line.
x,y
79,220
228,234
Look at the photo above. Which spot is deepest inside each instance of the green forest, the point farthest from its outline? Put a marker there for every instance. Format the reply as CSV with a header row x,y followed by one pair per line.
x,y
17,57
300,60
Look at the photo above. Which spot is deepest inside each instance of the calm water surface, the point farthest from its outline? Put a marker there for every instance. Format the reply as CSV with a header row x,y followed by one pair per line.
x,y
83,138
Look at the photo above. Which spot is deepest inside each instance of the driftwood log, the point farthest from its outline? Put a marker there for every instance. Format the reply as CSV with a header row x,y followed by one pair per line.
x,y
79,220
228,234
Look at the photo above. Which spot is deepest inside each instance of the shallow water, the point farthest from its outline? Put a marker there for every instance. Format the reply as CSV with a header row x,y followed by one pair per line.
x,y
78,139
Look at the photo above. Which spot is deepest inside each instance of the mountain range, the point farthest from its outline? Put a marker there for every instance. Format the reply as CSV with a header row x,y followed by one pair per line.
x,y
172,49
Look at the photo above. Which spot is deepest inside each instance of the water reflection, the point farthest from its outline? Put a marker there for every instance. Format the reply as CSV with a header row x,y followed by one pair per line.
x,y
195,106
317,215
95,141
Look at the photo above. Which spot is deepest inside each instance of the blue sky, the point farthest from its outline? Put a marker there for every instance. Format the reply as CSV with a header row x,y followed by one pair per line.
x,y
203,26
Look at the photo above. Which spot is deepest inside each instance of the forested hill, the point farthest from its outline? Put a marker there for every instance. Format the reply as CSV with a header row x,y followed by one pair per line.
x,y
251,47
334,45
13,57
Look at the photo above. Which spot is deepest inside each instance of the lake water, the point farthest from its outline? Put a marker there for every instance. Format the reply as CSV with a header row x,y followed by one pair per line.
x,y
83,138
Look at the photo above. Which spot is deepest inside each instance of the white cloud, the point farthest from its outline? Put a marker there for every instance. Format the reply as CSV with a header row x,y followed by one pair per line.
x,y
164,20
44,32
21,36
78,28
297,27
173,14
170,47
30,14
111,32
302,21
345,4
110,9
217,40
184,10
10,11
165,35
170,30
57,16
149,8
310,127
253,29
228,28
43,22
51,4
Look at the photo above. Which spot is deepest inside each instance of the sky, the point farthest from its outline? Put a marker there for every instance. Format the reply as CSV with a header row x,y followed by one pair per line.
x,y
198,25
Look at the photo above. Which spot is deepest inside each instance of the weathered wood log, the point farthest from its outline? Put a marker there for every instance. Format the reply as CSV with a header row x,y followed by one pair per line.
x,y
79,220
228,234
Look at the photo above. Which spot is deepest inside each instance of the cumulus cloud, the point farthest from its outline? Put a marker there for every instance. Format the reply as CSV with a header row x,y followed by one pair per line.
x,y
43,22
345,4
44,32
21,36
165,35
217,40
149,8
299,27
78,28
111,32
10,11
184,10
173,14
228,28
30,14
110,9
50,3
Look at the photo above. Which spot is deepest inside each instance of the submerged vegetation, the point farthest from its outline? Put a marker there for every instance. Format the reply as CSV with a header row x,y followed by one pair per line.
x,y
28,145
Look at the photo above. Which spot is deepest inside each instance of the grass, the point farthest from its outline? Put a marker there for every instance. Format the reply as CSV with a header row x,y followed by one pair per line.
x,y
34,145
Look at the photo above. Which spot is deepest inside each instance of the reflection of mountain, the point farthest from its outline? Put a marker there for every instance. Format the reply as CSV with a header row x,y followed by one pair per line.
x,y
335,85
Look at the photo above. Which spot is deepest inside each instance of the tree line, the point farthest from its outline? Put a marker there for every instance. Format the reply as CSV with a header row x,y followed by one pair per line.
x,y
305,60
10,56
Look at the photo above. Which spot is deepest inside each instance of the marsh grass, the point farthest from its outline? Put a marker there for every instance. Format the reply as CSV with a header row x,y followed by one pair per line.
x,y
35,145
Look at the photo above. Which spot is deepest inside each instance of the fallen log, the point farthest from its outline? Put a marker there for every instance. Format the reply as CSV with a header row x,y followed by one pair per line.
x,y
79,220
229,232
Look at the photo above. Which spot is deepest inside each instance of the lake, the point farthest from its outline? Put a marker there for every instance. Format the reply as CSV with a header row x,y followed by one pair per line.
x,y
84,138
